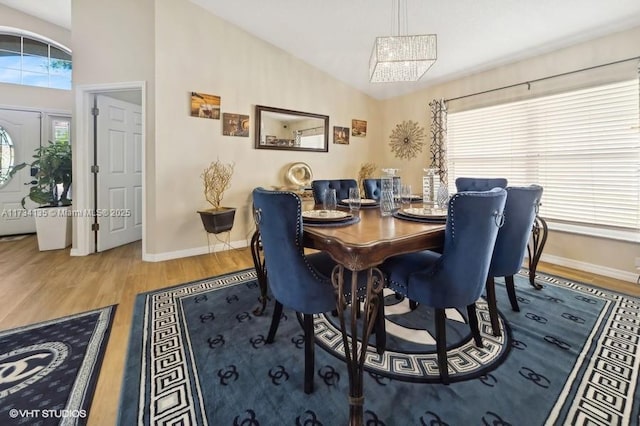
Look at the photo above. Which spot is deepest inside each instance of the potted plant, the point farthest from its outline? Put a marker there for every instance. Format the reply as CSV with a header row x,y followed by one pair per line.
x,y
51,171
217,179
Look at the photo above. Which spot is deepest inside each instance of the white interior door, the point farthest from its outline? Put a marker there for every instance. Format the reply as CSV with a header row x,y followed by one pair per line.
x,y
21,129
119,178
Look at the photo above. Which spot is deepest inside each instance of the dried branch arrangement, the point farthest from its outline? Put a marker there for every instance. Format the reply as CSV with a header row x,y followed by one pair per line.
x,y
217,179
366,172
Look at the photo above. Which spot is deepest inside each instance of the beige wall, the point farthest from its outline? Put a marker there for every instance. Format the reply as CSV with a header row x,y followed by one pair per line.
x,y
606,255
114,42
176,48
197,51
12,95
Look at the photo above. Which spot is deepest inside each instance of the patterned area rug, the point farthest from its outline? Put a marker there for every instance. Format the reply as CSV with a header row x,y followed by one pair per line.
x,y
197,355
410,353
48,371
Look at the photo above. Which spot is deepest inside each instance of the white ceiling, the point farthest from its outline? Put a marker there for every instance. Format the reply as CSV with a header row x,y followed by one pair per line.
x,y
473,35
55,11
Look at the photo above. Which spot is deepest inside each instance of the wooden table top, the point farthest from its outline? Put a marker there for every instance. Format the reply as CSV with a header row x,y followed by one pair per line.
x,y
369,242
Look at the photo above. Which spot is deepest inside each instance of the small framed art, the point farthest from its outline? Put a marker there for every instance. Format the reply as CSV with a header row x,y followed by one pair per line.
x,y
235,125
341,135
205,106
358,128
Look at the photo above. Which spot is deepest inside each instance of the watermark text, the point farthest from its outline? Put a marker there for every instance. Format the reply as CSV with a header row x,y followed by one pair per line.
x,y
19,213
46,414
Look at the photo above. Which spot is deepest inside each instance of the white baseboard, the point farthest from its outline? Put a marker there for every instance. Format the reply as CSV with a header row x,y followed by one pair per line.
x,y
76,252
590,267
196,251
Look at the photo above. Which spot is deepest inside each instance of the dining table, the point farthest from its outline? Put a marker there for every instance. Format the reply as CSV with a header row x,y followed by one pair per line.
x,y
358,246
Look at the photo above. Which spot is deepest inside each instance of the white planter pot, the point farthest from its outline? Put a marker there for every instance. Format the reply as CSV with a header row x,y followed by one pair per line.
x,y
53,227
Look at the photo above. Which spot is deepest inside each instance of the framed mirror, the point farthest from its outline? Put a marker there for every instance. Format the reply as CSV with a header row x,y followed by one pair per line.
x,y
284,129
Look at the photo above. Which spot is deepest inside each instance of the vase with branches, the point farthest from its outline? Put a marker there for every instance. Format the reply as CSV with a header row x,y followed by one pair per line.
x,y
365,172
216,179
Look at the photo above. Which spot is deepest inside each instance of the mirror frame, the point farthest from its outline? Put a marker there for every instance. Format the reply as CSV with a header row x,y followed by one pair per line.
x,y
258,123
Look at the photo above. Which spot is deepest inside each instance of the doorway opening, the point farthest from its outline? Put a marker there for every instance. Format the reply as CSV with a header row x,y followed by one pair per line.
x,y
113,207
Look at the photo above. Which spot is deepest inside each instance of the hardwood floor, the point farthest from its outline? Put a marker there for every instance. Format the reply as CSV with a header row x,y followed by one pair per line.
x,y
38,286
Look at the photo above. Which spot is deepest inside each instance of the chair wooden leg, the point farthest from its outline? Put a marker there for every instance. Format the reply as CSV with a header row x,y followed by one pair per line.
x,y
511,291
441,345
275,321
473,324
493,306
309,353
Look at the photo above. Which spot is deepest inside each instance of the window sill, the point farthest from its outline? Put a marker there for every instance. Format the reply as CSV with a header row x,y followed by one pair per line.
x,y
611,234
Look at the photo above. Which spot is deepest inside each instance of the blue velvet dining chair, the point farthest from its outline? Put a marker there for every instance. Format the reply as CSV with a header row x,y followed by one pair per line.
x,y
456,277
340,185
373,187
479,184
298,281
511,244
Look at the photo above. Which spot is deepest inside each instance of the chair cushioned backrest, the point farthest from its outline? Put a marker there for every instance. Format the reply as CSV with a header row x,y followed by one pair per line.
x,y
513,237
458,277
372,187
293,281
340,185
479,184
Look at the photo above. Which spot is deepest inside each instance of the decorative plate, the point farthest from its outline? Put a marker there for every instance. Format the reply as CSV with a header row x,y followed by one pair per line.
x,y
325,215
425,213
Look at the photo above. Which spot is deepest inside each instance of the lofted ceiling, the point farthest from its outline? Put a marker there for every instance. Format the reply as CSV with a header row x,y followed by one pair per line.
x,y
337,36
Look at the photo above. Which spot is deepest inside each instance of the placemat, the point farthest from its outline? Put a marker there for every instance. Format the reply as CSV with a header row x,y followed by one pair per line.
x,y
347,222
417,219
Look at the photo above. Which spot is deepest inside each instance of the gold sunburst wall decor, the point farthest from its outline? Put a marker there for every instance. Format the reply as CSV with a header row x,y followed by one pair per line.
x,y
406,139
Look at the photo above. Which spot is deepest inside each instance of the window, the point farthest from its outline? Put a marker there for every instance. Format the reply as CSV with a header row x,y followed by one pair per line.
x,y
582,146
7,156
60,129
34,62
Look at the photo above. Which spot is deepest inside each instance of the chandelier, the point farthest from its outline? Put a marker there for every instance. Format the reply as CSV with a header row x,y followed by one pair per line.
x,y
402,57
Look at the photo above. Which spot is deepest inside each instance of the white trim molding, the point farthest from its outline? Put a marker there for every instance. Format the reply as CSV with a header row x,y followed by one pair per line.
x,y
590,267
593,231
196,251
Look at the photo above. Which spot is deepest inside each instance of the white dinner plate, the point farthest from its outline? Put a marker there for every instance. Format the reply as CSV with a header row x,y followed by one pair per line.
x,y
363,201
425,213
325,215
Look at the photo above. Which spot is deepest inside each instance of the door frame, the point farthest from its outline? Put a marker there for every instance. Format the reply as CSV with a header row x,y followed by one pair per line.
x,y
82,146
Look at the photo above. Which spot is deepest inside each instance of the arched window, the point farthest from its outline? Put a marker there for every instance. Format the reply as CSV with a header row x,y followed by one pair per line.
x,y
32,60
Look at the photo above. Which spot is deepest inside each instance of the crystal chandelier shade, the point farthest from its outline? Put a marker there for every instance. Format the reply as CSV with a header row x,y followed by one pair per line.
x,y
402,58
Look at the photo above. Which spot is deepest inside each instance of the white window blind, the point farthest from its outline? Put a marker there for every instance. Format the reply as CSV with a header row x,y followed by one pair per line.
x,y
582,146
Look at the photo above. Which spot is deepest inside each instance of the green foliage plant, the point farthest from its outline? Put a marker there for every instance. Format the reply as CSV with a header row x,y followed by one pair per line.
x,y
52,181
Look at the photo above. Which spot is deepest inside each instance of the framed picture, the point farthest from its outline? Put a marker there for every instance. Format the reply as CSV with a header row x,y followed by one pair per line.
x,y
358,128
341,135
235,125
205,106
